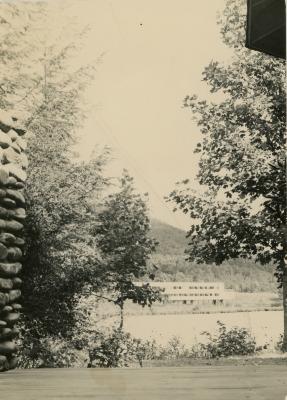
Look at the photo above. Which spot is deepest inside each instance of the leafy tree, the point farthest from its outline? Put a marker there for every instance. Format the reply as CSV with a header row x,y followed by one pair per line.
x,y
123,238
62,254
39,80
18,51
242,168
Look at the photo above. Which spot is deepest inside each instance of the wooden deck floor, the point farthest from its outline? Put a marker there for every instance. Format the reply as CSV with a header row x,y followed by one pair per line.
x,y
196,383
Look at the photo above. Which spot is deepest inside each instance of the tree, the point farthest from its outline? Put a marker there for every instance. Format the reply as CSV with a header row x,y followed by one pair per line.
x,y
19,54
62,255
123,238
40,81
242,167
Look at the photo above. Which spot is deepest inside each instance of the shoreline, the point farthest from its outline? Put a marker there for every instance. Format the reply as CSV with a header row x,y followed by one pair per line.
x,y
256,360
191,312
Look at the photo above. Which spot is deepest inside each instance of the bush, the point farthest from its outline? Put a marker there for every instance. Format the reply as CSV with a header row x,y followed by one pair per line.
x,y
119,349
113,348
50,353
279,344
233,342
37,351
144,350
174,350
110,350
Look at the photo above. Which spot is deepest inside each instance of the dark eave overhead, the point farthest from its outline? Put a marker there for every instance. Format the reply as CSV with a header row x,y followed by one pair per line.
x,y
266,27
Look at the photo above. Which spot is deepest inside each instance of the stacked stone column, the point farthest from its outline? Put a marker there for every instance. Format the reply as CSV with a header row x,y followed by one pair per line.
x,y
13,164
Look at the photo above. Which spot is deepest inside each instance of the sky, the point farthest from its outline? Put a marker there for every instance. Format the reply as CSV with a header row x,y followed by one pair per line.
x,y
154,52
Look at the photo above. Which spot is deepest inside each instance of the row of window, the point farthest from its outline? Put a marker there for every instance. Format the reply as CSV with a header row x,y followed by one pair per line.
x,y
195,287
193,294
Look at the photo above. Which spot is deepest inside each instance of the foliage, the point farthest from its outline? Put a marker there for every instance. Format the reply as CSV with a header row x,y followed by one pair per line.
x,y
106,349
119,349
241,212
47,351
171,240
174,349
42,81
144,350
233,342
62,255
113,348
241,160
62,259
239,275
37,38
123,238
279,346
18,25
110,351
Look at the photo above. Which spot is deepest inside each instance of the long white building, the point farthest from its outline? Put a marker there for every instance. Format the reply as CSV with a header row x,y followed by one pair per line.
x,y
191,292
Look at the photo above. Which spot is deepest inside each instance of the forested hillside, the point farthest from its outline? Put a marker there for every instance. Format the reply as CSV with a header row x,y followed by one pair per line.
x,y
239,275
171,240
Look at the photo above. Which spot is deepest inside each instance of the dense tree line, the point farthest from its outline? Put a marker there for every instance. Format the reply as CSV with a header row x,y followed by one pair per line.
x,y
238,275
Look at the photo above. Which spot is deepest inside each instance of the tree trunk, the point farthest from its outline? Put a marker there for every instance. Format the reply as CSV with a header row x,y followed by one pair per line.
x,y
121,315
284,347
140,361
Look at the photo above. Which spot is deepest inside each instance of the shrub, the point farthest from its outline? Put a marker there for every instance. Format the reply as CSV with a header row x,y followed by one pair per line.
x,y
233,342
279,344
110,350
144,350
36,351
50,353
116,348
175,349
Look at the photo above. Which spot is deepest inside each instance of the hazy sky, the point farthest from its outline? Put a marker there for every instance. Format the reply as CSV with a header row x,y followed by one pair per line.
x,y
155,51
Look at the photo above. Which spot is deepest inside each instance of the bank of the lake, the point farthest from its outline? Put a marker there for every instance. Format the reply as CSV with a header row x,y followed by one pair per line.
x,y
265,326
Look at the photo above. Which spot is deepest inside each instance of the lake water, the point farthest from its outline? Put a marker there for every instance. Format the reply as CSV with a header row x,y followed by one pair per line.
x,y
266,326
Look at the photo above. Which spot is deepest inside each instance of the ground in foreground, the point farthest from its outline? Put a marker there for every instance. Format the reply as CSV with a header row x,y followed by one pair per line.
x,y
264,382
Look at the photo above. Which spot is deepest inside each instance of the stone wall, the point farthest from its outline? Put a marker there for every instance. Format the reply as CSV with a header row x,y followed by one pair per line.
x,y
13,164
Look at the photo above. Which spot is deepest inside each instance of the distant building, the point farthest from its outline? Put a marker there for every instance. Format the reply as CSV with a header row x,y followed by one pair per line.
x,y
191,292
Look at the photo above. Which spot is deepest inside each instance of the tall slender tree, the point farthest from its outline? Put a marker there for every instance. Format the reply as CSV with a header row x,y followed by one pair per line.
x,y
125,244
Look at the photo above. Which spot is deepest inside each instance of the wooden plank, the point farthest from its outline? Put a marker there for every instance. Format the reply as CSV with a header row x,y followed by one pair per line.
x,y
196,383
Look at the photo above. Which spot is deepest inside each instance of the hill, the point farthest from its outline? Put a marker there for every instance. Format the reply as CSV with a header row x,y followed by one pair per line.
x,y
239,275
171,240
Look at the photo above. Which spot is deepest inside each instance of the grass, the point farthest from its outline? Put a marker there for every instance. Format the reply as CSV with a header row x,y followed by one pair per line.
x,y
240,360
240,302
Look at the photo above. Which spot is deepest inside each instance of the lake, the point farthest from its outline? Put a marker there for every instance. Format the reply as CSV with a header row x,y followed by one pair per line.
x,y
266,326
